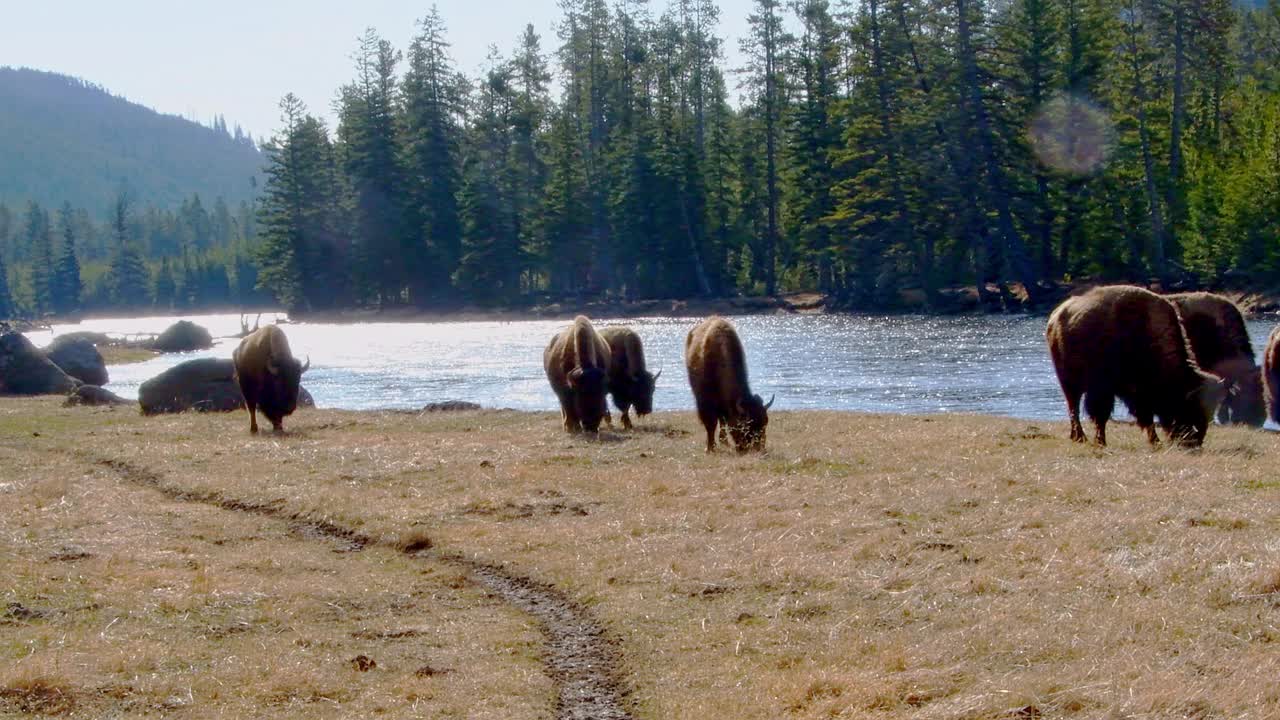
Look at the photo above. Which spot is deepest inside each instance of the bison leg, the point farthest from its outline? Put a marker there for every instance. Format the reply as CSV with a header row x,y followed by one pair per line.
x,y
253,416
1073,412
724,431
709,418
1224,413
1147,423
1099,406
626,419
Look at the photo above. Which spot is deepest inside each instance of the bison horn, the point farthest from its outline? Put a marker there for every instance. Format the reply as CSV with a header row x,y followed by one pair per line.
x,y
771,399
655,377
305,365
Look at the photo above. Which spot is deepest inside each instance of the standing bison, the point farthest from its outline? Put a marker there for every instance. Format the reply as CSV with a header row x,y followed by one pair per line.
x,y
1271,373
268,376
630,384
717,367
1220,341
1127,342
577,365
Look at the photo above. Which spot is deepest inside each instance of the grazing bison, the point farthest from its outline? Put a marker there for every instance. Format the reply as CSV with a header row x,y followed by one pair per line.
x,y
717,368
630,384
1127,342
577,365
1271,373
268,375
1220,340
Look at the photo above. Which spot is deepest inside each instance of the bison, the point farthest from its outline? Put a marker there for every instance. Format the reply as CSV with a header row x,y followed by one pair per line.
x,y
717,367
577,365
630,384
1220,341
268,376
1271,373
1127,342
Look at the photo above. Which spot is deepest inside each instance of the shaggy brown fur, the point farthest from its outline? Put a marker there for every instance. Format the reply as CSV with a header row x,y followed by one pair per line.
x,y
1127,342
717,367
268,376
577,365
1220,340
630,384
1271,373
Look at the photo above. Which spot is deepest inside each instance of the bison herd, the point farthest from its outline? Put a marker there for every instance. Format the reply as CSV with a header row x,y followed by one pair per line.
x,y
1174,360
583,366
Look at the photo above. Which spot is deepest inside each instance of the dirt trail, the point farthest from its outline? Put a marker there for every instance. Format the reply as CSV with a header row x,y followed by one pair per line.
x,y
579,657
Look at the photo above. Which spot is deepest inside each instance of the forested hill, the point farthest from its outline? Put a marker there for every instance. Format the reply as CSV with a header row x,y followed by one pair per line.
x,y
65,140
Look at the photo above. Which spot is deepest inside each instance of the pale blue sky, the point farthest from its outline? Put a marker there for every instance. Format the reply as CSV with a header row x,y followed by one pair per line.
x,y
238,57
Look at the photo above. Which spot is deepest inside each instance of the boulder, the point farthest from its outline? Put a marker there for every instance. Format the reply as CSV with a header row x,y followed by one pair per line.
x,y
94,395
183,336
450,406
78,358
204,385
24,369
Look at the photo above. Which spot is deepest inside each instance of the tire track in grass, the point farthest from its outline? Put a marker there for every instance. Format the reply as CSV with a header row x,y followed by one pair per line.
x,y
580,658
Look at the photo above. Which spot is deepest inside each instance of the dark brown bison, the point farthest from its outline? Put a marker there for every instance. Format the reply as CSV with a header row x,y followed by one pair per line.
x,y
1127,342
630,383
1220,340
577,365
717,367
268,375
1271,373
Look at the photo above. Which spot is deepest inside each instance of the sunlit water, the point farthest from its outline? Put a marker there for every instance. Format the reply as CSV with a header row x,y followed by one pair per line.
x,y
897,364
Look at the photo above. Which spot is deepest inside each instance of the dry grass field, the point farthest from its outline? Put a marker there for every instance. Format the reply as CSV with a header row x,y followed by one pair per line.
x,y
867,566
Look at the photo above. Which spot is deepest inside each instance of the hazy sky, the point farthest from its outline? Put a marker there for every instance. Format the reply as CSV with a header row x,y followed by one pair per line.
x,y
238,57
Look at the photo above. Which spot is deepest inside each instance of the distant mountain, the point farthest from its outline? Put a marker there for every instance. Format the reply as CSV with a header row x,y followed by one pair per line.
x,y
63,139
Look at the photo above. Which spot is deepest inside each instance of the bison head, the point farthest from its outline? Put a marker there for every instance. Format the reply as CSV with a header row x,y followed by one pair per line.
x,y
642,391
589,386
286,376
1190,420
753,419
1244,405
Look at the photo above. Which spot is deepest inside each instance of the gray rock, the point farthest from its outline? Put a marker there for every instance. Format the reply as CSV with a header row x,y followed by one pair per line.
x,y
204,385
94,395
449,406
183,336
24,370
78,358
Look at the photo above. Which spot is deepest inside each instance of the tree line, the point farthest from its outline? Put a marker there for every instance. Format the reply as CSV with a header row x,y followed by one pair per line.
x,y
877,148
881,151
130,260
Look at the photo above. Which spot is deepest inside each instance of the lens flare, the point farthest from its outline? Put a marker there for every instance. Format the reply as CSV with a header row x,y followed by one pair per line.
x,y
1072,135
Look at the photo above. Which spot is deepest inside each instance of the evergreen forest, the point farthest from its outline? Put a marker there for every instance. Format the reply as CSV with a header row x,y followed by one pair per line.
x,y
879,151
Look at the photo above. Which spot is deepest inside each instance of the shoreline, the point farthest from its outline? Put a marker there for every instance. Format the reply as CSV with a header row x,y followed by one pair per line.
x,y
957,301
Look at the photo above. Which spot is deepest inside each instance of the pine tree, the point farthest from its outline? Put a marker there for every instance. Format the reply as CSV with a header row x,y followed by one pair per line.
x,y
128,279
491,263
67,286
765,47
371,161
164,289
813,139
7,308
301,260
433,99
528,165
39,248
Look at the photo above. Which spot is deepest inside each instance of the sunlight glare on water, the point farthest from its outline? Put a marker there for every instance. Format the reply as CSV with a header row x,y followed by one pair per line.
x,y
892,364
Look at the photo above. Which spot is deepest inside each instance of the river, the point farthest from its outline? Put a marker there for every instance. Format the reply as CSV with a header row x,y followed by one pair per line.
x,y
894,364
